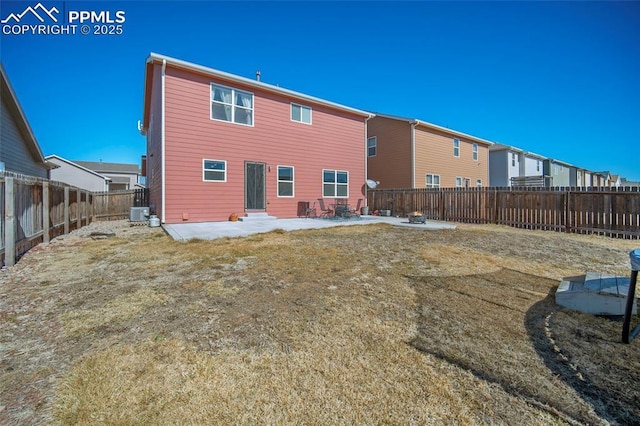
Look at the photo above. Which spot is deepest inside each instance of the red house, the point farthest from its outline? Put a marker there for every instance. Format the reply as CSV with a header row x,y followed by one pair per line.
x,y
219,144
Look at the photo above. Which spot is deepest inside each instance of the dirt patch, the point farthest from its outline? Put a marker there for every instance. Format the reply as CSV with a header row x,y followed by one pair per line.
x,y
367,324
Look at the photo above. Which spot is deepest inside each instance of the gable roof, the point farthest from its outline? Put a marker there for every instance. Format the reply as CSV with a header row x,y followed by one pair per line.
x,y
155,58
9,96
503,147
102,167
432,126
76,165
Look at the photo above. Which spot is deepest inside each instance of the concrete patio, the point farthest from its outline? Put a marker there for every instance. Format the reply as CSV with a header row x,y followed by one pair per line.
x,y
213,230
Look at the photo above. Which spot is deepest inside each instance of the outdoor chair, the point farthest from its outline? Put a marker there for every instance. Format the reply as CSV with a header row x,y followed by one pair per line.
x,y
325,211
311,211
356,210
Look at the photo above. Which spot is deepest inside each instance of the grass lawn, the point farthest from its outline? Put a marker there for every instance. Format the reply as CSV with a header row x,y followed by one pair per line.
x,y
368,324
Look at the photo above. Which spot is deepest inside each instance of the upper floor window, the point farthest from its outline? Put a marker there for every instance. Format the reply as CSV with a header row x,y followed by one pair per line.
x,y
513,159
537,165
474,151
372,146
285,181
233,105
432,181
300,113
214,171
456,147
335,183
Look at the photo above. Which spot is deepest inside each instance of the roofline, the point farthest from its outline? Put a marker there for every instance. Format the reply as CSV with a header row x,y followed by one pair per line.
x,y
436,127
155,57
34,147
49,157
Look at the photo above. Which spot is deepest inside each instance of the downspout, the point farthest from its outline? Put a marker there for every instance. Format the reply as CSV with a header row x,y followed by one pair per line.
x,y
413,154
366,158
162,143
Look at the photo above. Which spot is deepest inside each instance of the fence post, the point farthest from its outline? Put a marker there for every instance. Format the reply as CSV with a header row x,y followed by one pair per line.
x,y
45,213
9,223
66,210
78,209
567,211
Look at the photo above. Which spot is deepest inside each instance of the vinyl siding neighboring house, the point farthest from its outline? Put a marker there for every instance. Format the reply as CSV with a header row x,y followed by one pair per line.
x,y
512,166
412,153
19,149
559,172
218,144
77,175
122,176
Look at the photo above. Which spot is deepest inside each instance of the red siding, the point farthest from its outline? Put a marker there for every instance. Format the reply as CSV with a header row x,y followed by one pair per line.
x,y
335,140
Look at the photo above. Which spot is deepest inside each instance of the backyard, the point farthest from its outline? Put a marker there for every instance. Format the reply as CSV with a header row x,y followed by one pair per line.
x,y
366,324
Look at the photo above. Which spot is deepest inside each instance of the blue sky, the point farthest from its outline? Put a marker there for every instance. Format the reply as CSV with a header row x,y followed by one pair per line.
x,y
561,79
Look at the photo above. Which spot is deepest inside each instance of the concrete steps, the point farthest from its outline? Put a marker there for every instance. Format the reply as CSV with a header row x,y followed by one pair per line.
x,y
255,217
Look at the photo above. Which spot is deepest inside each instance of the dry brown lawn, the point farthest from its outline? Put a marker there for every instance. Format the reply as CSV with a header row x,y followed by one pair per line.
x,y
355,325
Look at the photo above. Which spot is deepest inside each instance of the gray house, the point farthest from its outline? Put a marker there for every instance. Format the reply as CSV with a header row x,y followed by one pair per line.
x,y
122,175
19,149
76,175
511,166
559,172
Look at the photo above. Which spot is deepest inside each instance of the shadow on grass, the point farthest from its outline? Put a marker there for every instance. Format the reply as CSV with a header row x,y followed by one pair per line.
x,y
505,328
586,353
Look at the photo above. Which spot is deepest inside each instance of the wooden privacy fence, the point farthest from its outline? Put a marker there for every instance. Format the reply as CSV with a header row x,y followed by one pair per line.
x,y
34,210
613,212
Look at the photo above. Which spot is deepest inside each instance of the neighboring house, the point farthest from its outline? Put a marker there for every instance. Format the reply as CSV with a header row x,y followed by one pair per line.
x,y
558,171
601,179
219,144
511,166
19,149
628,183
122,176
77,175
615,181
411,153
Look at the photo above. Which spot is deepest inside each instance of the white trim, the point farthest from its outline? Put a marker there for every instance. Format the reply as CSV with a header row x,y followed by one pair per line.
x,y
335,184
432,184
293,182
233,105
214,180
301,108
253,83
163,174
456,147
376,146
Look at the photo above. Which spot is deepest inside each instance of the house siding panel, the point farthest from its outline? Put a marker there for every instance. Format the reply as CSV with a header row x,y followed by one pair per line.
x,y
392,164
434,155
154,145
77,177
13,147
335,140
499,163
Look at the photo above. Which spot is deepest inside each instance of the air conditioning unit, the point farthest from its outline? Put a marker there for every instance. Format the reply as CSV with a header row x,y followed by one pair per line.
x,y
138,214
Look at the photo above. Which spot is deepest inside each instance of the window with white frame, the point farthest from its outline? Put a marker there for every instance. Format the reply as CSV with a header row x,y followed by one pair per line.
x,y
335,183
479,183
458,182
214,171
372,146
300,113
537,165
474,151
513,159
432,181
232,105
285,181
467,182
456,147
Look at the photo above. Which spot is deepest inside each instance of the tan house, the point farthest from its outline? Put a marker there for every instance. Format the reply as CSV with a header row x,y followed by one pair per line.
x,y
411,153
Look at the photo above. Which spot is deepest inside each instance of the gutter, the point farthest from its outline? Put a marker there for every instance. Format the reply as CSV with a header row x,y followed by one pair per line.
x,y
162,143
